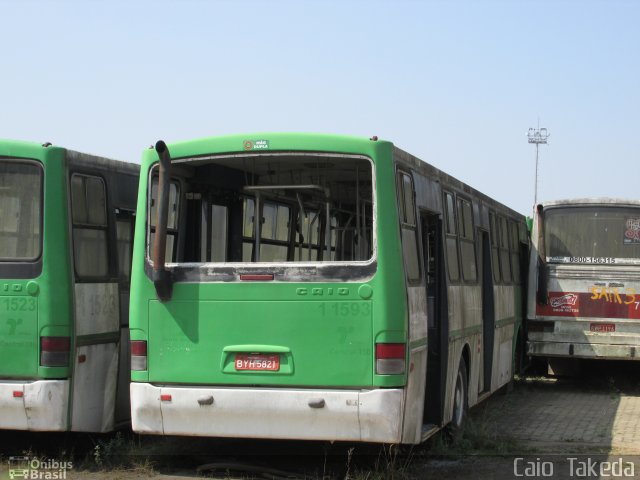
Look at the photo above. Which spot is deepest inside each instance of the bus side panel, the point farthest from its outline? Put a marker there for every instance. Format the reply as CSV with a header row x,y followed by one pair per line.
x,y
417,371
465,327
97,308
95,388
453,363
505,311
414,395
96,356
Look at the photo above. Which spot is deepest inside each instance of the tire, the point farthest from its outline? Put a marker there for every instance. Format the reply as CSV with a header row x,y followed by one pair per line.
x,y
460,402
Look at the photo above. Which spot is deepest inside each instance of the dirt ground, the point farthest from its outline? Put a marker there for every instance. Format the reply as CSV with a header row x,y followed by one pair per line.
x,y
584,427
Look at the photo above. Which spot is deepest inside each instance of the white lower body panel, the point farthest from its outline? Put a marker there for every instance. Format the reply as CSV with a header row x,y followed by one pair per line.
x,y
342,415
40,405
583,350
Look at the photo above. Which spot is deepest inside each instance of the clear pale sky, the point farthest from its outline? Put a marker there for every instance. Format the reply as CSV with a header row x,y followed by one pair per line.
x,y
457,83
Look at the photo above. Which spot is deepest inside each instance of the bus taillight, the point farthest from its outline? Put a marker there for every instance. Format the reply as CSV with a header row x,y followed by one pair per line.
x,y
138,354
390,358
54,351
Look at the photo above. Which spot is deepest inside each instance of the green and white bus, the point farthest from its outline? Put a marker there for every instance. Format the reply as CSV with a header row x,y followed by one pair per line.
x,y
584,287
300,286
66,230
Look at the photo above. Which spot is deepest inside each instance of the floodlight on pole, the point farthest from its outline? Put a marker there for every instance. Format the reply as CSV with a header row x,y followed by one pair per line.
x,y
537,136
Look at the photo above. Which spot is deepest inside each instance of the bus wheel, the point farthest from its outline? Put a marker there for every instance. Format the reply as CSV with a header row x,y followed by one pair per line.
x,y
460,402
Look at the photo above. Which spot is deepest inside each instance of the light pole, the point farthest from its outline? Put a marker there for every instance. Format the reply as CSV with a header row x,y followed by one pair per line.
x,y
537,136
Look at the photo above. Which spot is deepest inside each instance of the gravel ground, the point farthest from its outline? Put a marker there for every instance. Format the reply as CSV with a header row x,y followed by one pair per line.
x,y
544,425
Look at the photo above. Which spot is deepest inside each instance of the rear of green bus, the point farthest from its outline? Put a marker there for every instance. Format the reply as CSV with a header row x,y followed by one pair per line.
x,y
279,308
35,294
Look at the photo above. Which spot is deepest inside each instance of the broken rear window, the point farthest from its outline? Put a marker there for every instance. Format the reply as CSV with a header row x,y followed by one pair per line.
x,y
269,208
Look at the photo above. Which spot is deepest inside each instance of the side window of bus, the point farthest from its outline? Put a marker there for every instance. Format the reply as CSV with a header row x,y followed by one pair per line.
x,y
495,253
248,214
408,226
523,233
172,219
124,239
275,233
307,241
466,237
89,217
219,233
451,237
514,248
334,238
504,250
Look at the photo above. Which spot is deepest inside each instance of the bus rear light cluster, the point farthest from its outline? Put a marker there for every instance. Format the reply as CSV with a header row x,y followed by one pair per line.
x,y
390,358
138,354
54,351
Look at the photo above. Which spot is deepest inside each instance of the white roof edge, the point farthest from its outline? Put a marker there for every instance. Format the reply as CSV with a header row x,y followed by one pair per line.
x,y
591,201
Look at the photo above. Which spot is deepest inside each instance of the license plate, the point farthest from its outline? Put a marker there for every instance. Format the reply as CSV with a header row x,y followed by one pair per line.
x,y
256,362
602,327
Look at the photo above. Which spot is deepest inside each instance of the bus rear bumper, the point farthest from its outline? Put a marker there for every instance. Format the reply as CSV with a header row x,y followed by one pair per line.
x,y
341,415
583,350
39,405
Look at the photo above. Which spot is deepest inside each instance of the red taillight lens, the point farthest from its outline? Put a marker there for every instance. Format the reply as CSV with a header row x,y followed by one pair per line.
x,y
256,277
389,350
54,351
139,347
390,358
138,354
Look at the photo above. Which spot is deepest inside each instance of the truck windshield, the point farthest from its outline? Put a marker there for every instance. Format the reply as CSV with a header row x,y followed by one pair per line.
x,y
601,234
268,208
20,211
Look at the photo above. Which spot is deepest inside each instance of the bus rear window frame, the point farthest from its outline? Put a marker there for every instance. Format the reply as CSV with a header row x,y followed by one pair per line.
x,y
553,260
230,271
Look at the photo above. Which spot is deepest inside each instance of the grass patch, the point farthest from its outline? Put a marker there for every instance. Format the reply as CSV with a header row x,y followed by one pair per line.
x,y
480,437
392,462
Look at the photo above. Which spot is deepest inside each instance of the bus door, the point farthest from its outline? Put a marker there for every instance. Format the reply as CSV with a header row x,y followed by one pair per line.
x,y
488,310
436,321
96,298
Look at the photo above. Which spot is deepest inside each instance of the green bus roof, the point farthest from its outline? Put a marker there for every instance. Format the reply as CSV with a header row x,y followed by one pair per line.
x,y
270,141
22,149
